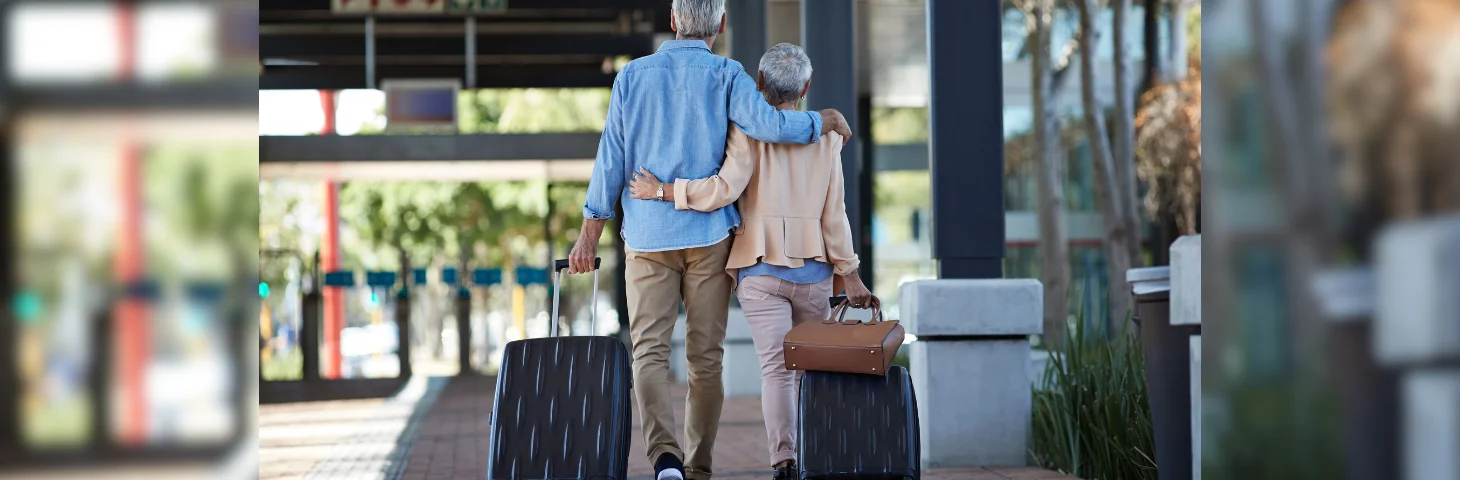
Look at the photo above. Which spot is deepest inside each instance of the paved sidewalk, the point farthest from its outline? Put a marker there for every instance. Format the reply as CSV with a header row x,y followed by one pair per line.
x,y
449,439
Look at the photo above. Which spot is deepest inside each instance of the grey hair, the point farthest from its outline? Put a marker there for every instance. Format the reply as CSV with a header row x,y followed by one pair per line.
x,y
786,68
698,18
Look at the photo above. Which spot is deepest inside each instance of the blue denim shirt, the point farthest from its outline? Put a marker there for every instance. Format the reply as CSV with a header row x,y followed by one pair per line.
x,y
810,271
668,113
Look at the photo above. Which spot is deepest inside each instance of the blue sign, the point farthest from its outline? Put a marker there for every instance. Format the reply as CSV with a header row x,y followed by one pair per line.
x,y
339,279
141,289
531,276
380,279
448,276
483,277
419,276
206,292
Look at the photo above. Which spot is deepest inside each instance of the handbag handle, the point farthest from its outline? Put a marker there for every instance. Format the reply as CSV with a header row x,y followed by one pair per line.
x,y
839,314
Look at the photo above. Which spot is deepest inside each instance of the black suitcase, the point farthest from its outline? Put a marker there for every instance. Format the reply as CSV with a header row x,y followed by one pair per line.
x,y
858,427
562,405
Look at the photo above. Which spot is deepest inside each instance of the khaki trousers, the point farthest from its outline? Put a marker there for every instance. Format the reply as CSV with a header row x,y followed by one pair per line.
x,y
772,306
656,283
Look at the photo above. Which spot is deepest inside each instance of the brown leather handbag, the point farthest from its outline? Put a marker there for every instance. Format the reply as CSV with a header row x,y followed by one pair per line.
x,y
854,346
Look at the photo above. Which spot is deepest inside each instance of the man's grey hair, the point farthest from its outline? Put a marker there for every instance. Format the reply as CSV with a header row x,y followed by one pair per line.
x,y
698,18
786,68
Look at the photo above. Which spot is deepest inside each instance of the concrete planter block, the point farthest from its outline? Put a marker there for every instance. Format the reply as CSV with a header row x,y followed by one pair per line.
x,y
972,366
981,418
1186,281
1431,424
1417,277
972,307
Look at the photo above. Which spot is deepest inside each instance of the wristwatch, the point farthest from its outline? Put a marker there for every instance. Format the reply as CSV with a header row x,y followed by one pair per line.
x,y
659,193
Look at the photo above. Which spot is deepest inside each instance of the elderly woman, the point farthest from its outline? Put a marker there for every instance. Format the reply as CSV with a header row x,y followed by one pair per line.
x,y
793,247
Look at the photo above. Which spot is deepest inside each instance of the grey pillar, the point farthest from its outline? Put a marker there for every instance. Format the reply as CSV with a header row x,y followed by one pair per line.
x,y
865,185
403,318
9,334
966,138
620,289
310,321
463,327
829,34
747,32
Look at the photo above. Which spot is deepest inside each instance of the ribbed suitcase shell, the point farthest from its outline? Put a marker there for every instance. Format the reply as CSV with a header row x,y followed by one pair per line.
x,y
858,427
562,410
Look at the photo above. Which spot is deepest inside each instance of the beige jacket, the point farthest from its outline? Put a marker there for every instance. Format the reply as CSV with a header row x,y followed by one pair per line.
x,y
791,201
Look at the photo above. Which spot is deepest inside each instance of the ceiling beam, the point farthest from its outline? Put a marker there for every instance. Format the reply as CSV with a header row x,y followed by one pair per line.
x,y
428,148
290,46
325,5
514,76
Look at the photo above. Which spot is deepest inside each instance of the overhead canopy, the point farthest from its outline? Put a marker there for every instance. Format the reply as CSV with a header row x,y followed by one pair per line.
x,y
312,44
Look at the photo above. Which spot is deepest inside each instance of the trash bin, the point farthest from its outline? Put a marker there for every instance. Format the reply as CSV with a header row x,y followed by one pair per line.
x,y
1168,370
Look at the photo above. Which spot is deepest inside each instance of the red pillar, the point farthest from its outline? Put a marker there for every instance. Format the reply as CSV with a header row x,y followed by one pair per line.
x,y
133,333
132,340
334,297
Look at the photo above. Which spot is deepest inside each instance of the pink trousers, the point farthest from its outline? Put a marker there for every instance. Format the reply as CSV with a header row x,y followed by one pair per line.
x,y
772,306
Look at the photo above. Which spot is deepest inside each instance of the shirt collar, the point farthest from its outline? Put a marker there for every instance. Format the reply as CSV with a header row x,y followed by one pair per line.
x,y
673,44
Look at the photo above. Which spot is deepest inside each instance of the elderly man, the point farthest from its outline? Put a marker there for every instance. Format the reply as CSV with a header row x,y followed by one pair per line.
x,y
669,113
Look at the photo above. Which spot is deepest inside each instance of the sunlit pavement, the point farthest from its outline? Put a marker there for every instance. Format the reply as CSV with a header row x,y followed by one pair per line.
x,y
438,429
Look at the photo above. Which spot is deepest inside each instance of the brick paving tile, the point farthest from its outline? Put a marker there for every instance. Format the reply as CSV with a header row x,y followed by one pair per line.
x,y
1028,473
453,440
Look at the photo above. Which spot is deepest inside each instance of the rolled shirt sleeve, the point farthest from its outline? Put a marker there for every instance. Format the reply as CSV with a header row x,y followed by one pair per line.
x,y
606,185
749,110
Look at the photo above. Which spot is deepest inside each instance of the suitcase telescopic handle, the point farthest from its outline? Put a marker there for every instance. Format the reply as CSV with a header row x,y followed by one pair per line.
x,y
562,263
558,266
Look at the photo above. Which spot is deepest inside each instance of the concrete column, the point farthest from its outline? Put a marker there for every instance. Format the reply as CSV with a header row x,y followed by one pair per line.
x,y
1196,407
1416,331
970,367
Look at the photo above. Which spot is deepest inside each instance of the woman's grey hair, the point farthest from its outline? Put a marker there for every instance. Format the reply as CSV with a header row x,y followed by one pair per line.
x,y
698,18
786,68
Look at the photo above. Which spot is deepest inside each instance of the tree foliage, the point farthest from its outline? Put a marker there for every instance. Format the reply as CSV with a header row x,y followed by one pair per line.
x,y
495,223
1168,149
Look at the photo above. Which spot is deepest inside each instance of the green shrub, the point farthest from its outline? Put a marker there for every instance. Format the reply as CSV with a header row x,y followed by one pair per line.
x,y
1275,428
1094,419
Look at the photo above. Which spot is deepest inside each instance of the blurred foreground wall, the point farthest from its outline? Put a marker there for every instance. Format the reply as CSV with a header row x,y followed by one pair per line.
x,y
1330,125
131,163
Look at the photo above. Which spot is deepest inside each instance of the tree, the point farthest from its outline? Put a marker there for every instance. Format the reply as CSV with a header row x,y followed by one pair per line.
x,y
1048,82
1120,238
1124,129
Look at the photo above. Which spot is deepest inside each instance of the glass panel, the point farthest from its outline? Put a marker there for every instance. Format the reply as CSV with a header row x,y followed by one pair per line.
x,y
434,337
63,42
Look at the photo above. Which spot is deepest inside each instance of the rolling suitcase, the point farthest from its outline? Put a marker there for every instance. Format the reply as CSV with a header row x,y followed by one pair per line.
x,y
562,405
858,427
